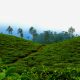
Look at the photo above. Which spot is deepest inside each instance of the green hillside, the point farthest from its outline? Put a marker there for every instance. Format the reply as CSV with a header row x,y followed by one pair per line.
x,y
26,55
13,48
58,55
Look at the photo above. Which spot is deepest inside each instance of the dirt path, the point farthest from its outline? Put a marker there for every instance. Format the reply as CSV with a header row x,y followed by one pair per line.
x,y
28,54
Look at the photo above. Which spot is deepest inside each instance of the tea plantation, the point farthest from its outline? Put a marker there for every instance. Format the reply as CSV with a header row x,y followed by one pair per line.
x,y
21,59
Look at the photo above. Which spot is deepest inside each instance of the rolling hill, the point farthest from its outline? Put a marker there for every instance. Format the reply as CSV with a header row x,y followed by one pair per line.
x,y
23,54
12,48
63,53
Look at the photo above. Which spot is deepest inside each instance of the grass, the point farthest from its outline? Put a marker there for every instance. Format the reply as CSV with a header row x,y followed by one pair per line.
x,y
13,48
26,55
56,56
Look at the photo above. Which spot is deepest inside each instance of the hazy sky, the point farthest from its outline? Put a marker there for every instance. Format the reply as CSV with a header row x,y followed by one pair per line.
x,y
44,14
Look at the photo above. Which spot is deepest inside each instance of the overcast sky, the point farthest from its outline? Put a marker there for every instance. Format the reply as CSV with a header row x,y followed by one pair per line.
x,y
43,14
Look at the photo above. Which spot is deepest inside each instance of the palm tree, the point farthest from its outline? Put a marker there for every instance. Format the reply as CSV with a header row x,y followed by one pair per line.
x,y
71,30
20,32
33,32
10,29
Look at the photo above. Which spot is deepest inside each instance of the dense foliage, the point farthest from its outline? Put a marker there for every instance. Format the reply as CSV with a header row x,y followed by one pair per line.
x,y
21,59
49,36
39,73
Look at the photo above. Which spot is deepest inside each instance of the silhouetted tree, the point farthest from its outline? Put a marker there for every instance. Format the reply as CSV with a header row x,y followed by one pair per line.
x,y
10,29
33,32
20,32
71,30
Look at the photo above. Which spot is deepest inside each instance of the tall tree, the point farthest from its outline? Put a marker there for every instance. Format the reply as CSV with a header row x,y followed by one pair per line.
x,y
46,36
10,29
33,32
71,30
20,32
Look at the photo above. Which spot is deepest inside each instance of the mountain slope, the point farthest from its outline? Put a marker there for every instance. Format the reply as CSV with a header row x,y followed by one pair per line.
x,y
12,48
59,55
23,54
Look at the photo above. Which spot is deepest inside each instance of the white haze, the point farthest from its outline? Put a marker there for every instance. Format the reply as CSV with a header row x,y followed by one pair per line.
x,y
42,14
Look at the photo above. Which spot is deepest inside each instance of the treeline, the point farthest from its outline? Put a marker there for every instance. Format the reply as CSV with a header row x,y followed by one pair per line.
x,y
49,36
45,37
